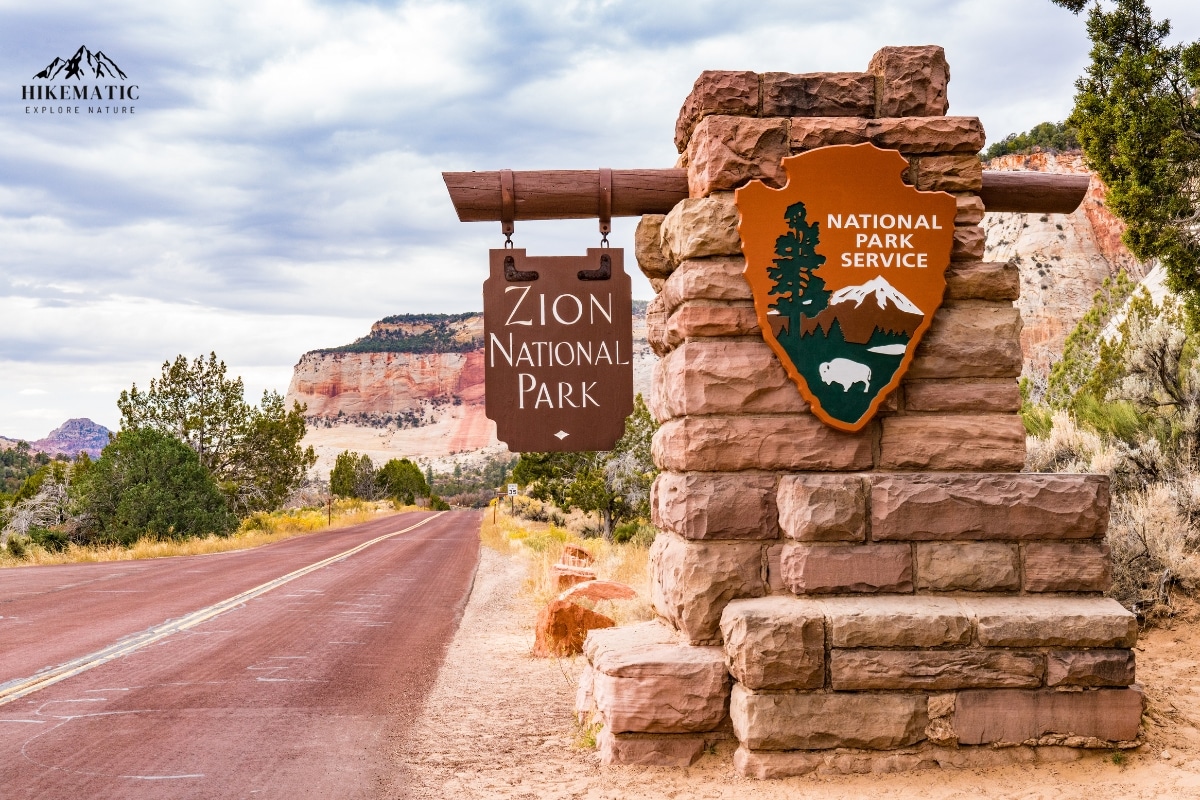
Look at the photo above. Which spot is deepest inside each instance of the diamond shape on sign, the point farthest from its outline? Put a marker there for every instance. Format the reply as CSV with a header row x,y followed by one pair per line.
x,y
562,435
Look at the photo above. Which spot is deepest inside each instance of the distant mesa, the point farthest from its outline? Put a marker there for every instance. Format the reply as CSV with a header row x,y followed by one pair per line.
x,y
73,437
859,318
83,64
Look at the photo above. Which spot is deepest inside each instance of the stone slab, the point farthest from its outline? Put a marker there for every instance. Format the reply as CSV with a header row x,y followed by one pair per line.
x,y
952,442
706,279
823,508
980,396
768,764
832,568
649,751
725,152
893,621
949,173
717,92
701,226
937,134
818,94
818,720
692,582
662,688
809,133
708,505
968,566
1020,506
983,280
647,246
1099,667
1067,567
864,670
969,241
987,716
970,210
720,377
970,340
775,642
1033,621
703,318
912,81
783,442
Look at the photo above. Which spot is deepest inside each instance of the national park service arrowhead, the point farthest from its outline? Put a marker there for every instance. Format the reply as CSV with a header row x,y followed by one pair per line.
x,y
847,264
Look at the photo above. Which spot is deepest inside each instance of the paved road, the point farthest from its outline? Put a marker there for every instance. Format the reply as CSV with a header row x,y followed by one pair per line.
x,y
301,690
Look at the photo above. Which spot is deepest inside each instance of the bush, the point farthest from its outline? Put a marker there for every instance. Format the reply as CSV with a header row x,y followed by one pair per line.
x,y
16,546
53,541
149,483
634,533
438,504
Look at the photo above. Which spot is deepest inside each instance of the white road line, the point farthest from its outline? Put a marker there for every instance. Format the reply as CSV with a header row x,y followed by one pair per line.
x,y
14,689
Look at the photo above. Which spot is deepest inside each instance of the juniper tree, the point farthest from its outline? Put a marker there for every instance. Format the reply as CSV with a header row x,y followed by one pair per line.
x,y
797,290
1139,126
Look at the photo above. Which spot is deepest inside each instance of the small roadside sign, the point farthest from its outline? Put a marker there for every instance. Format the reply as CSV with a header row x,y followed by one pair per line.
x,y
512,490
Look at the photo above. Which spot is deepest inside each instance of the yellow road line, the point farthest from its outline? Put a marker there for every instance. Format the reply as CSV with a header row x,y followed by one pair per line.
x,y
20,687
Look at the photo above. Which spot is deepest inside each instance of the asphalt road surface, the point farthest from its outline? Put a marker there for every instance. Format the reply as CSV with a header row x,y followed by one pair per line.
x,y
289,671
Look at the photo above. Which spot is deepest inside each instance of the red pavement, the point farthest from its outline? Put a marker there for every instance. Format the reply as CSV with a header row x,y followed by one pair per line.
x,y
294,694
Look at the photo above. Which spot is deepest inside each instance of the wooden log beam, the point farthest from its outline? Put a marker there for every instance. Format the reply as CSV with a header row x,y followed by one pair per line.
x,y
1032,192
575,194
566,194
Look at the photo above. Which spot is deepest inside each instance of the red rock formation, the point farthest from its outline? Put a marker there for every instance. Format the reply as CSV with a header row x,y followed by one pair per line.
x,y
393,383
562,626
1063,258
384,383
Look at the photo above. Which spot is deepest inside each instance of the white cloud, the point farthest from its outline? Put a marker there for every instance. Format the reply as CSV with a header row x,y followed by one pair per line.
x,y
279,187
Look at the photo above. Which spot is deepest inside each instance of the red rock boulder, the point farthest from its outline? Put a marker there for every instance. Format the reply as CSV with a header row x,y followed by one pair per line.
x,y
562,626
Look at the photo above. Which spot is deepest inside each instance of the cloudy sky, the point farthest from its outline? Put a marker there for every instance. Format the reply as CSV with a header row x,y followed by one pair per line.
x,y
278,187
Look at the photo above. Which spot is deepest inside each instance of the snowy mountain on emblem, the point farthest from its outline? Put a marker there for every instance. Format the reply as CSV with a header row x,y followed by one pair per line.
x,y
885,295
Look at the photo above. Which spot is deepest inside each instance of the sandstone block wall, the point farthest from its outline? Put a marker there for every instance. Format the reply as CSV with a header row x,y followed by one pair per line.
x,y
901,588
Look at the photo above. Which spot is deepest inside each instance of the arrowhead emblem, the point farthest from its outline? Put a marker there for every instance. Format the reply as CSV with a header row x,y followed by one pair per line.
x,y
847,265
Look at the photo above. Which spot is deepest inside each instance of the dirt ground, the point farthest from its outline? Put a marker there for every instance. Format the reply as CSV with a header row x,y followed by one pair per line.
x,y
499,724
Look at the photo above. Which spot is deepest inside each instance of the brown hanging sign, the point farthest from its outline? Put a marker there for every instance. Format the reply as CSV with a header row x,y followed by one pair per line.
x,y
847,265
558,333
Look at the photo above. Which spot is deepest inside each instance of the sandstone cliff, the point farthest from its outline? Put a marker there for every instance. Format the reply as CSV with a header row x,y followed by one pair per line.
x,y
1063,258
412,387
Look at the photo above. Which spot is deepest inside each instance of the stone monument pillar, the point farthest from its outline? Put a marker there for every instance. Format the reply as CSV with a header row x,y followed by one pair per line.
x,y
898,597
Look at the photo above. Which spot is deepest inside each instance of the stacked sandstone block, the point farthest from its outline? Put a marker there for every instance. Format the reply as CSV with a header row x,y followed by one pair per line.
x,y
884,599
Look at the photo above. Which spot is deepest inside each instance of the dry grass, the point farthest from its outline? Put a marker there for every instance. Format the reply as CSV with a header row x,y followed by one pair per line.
x,y
541,546
257,530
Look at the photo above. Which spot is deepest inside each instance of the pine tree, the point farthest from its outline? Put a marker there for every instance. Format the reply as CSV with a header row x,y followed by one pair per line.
x,y
1139,125
797,291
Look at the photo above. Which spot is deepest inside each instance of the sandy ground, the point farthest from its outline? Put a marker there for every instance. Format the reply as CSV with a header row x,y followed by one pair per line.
x,y
499,724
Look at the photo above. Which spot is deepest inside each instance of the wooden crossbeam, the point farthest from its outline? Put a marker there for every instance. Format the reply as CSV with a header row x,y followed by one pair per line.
x,y
575,194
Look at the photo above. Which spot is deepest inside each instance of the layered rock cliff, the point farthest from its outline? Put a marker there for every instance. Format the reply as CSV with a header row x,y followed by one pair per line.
x,y
1063,258
416,381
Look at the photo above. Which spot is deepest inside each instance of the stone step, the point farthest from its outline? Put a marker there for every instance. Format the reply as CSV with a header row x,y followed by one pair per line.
x,y
823,720
642,679
928,643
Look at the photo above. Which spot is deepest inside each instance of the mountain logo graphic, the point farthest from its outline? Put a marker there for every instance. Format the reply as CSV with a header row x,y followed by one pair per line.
x,y
847,265
84,64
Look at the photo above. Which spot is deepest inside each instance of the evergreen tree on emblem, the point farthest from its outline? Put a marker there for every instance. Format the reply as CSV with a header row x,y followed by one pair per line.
x,y
797,292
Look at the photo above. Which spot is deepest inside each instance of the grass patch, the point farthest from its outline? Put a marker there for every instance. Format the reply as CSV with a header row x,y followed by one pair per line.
x,y
540,545
586,735
256,530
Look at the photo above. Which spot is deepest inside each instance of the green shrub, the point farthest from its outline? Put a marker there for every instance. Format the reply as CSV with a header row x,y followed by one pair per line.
x,y
149,483
16,547
53,541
